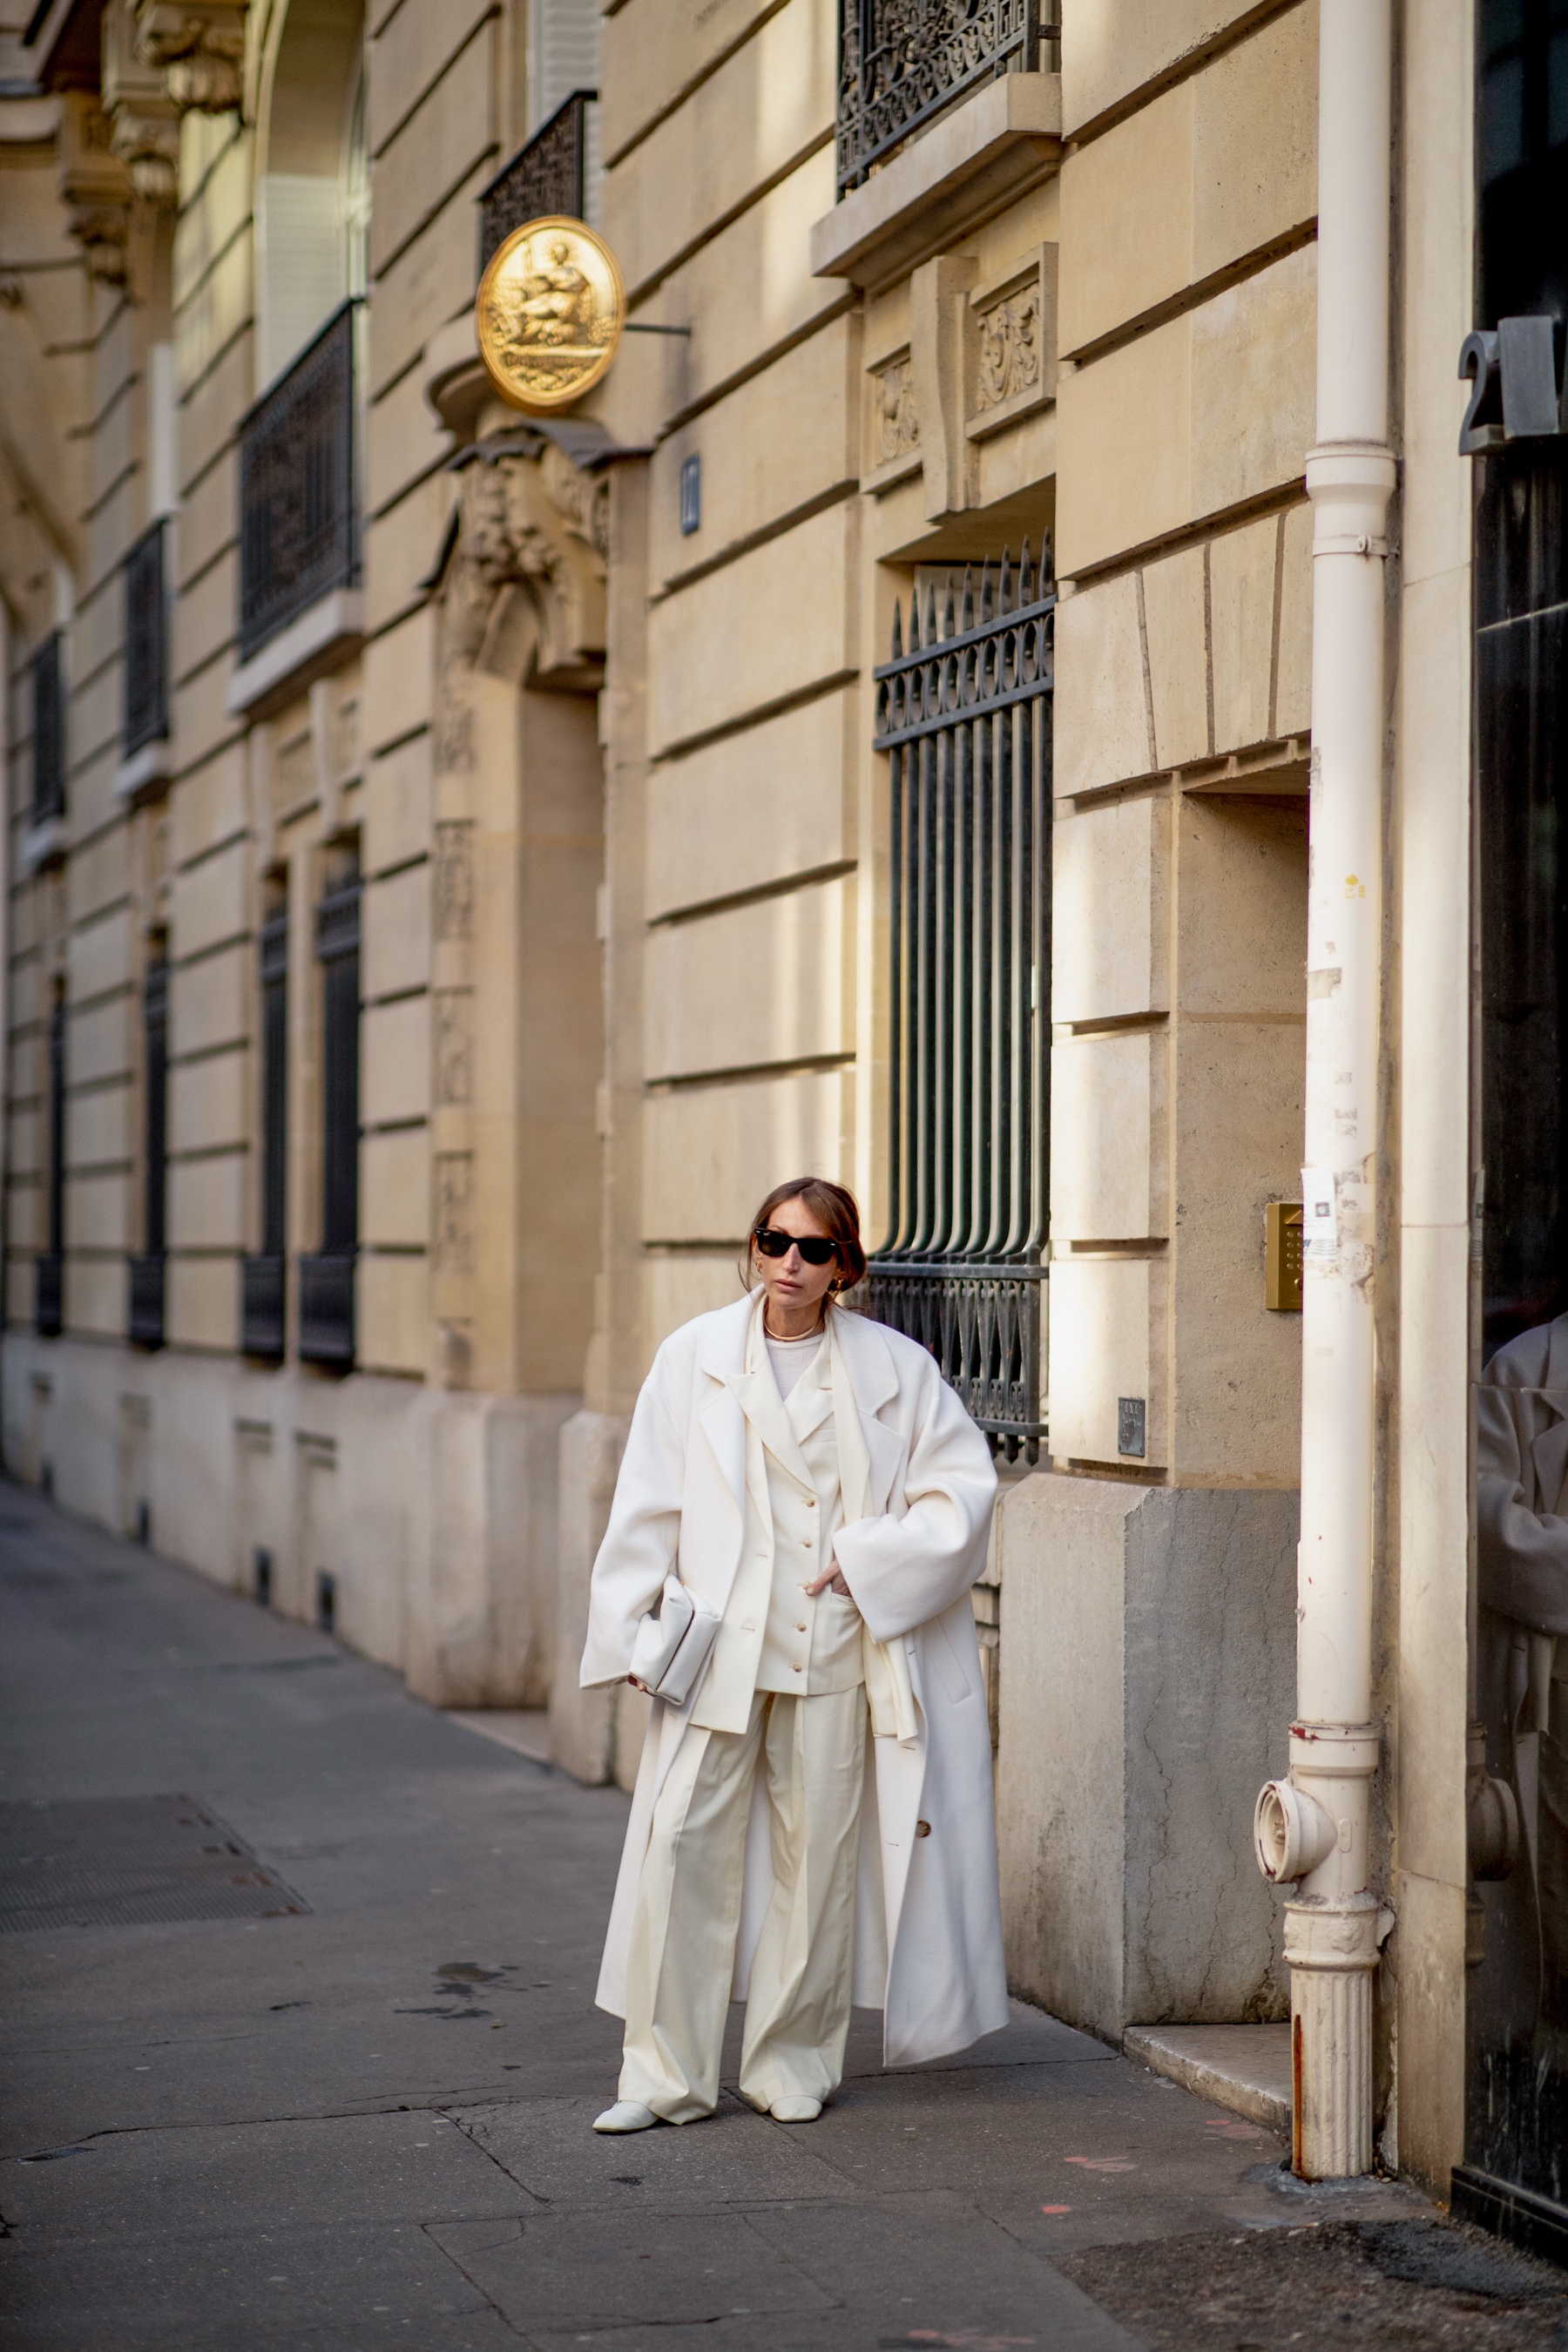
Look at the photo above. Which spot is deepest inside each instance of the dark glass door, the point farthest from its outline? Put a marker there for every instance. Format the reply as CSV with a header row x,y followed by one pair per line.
x,y
1516,2171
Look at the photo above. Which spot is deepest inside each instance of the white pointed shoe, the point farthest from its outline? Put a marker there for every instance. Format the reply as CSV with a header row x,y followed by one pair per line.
x,y
626,2116
795,2111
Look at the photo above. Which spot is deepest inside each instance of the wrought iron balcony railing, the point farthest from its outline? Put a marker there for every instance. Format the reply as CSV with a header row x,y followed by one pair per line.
x,y
965,716
299,521
903,62
49,1295
262,1290
145,1321
549,176
146,715
48,730
327,1310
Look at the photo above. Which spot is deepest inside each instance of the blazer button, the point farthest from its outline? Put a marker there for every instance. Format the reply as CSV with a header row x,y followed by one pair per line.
x,y
811,1502
800,1629
800,1670
922,1829
805,1543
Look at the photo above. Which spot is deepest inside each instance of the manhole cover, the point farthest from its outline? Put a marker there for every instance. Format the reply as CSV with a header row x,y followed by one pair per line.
x,y
124,1862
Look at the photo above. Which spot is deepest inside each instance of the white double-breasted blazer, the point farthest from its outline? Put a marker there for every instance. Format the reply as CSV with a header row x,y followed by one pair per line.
x,y
929,1940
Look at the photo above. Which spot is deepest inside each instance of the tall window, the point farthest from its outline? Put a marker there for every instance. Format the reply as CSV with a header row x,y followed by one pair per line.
x,y
146,712
49,1300
327,1279
48,730
964,712
313,200
262,1276
147,1271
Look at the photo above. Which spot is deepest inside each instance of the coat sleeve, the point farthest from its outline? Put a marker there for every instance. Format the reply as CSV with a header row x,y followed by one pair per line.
x,y
904,1572
1524,1553
641,1540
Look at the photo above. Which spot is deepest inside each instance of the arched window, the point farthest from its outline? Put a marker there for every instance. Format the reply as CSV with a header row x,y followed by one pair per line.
x,y
313,189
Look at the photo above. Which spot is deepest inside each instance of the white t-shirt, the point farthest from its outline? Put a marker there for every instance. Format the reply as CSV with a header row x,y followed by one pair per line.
x,y
791,1358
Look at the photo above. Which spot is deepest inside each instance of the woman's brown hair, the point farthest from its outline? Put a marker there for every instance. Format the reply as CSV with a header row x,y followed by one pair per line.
x,y
834,1208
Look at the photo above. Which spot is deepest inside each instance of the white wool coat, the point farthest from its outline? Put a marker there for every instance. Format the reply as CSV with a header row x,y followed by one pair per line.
x,y
929,1938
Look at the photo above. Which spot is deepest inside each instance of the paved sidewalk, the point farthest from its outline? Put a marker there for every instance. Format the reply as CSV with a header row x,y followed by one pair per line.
x,y
365,2122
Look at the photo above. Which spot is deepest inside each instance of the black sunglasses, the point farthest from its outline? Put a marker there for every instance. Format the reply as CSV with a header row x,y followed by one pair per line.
x,y
814,1247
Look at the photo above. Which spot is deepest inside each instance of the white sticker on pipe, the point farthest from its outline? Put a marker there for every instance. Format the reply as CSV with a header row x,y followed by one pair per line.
x,y
1319,1223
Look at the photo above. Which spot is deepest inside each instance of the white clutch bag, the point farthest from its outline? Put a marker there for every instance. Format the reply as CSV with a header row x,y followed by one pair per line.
x,y
673,1642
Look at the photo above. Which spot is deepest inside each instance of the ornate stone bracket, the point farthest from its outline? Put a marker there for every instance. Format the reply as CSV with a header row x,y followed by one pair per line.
x,y
525,577
144,121
95,186
198,47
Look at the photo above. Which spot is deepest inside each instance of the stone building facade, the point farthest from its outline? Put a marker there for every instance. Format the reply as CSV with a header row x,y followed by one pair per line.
x,y
519,873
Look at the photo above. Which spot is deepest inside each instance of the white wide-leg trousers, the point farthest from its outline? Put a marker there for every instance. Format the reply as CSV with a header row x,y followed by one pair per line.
x,y
813,1752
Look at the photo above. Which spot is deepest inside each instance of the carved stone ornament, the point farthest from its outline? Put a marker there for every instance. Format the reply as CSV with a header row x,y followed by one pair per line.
x,y
549,314
897,420
144,121
198,47
524,584
1012,365
1009,355
95,186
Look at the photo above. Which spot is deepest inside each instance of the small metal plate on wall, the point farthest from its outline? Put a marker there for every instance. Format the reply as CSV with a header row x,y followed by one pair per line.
x,y
124,1862
1283,1256
1132,1425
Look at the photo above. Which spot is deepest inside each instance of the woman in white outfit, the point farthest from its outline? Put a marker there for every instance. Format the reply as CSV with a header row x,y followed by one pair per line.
x,y
813,1823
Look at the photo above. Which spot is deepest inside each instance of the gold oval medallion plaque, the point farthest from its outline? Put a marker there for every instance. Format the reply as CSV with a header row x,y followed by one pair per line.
x,y
549,314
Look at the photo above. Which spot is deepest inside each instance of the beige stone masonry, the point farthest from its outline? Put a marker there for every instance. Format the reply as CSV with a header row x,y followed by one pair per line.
x,y
779,441
713,1151
445,143
1119,47
1192,419
1221,168
754,809
751,121
655,52
806,574
407,52
715,1000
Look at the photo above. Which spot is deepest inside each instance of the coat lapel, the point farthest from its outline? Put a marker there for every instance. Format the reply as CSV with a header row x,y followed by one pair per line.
x,y
723,1423
868,1363
757,1394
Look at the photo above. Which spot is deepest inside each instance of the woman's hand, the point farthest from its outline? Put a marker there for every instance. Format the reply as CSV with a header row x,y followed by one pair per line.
x,y
637,1685
830,1581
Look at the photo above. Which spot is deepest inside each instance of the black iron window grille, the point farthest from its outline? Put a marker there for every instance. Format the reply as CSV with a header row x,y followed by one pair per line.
x,y
146,1304
327,1279
964,715
262,1276
550,175
903,62
49,1304
48,729
298,523
146,717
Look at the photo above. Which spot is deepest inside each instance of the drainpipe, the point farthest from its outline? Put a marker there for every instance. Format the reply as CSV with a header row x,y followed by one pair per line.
x,y
1312,1827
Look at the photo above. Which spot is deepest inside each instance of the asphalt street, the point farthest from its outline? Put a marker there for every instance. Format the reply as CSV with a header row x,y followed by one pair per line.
x,y
300,2050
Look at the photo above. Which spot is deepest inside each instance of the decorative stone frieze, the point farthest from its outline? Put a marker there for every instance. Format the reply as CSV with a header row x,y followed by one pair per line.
x,y
1012,341
893,422
198,47
1009,357
95,186
898,424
